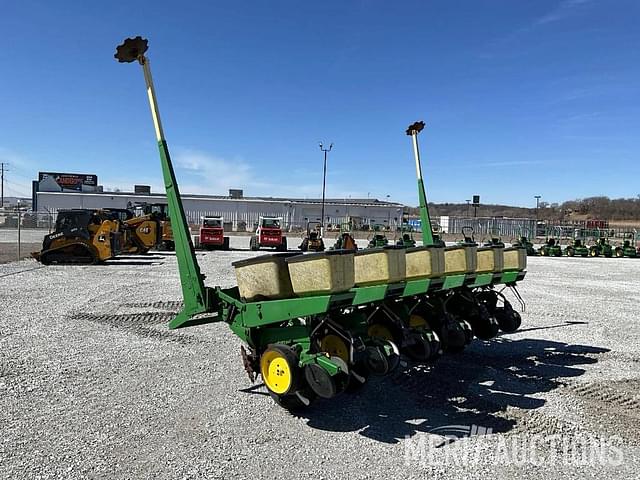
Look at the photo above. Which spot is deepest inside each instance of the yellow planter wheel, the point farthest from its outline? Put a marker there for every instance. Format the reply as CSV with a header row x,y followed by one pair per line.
x,y
377,330
418,321
278,367
335,346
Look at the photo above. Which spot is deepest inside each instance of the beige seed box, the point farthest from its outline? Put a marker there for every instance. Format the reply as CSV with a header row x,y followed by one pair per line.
x,y
460,259
379,265
515,258
322,273
490,260
424,262
264,277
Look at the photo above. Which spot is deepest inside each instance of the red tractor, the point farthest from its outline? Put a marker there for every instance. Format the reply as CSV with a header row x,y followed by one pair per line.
x,y
268,234
212,234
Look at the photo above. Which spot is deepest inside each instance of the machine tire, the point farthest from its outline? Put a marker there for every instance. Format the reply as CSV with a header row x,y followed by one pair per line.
x,y
570,252
508,319
253,244
283,246
484,326
377,362
593,252
279,369
619,253
225,243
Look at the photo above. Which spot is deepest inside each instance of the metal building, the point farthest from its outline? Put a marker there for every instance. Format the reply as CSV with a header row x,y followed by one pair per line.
x,y
240,213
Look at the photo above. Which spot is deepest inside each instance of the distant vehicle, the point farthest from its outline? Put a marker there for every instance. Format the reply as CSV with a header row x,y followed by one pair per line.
x,y
212,234
269,234
161,211
312,241
378,238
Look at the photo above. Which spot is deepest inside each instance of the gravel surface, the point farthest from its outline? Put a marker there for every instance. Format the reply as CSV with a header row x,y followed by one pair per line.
x,y
94,385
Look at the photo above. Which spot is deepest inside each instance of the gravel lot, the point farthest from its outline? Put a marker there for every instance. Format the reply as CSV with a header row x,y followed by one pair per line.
x,y
93,384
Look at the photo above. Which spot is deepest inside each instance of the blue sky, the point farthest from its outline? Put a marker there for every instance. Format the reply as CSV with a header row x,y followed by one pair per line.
x,y
520,97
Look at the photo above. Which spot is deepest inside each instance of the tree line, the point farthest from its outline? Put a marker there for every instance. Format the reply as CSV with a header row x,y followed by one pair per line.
x,y
604,208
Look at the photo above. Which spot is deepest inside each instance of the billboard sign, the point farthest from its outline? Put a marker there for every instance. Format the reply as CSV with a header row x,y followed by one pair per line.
x,y
71,181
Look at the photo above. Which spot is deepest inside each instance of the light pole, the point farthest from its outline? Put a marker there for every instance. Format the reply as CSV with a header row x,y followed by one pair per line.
x,y
468,205
537,197
324,183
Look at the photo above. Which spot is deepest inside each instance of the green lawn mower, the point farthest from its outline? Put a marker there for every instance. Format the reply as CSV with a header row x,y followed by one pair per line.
x,y
523,242
627,249
406,239
467,237
494,240
551,247
576,249
378,239
602,247
436,235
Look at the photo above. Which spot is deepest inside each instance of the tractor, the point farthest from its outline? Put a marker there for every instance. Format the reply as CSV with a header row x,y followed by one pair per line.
x,y
551,247
626,249
212,234
312,240
378,239
268,234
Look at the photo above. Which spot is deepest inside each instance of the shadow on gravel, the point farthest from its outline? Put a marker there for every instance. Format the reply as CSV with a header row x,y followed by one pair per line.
x,y
471,388
146,261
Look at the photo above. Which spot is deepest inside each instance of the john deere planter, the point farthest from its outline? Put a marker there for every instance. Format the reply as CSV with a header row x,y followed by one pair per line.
x,y
315,325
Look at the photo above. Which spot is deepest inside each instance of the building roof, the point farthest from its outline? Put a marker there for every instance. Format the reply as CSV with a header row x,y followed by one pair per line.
x,y
339,201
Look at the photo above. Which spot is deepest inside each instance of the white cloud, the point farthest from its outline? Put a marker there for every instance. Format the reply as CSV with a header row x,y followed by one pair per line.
x,y
215,174
202,173
563,10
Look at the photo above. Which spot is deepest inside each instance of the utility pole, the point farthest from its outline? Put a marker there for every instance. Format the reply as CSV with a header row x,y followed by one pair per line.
x,y
19,222
3,169
324,183
468,202
537,197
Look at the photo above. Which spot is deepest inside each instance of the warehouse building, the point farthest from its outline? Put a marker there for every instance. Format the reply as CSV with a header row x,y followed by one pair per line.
x,y
240,213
